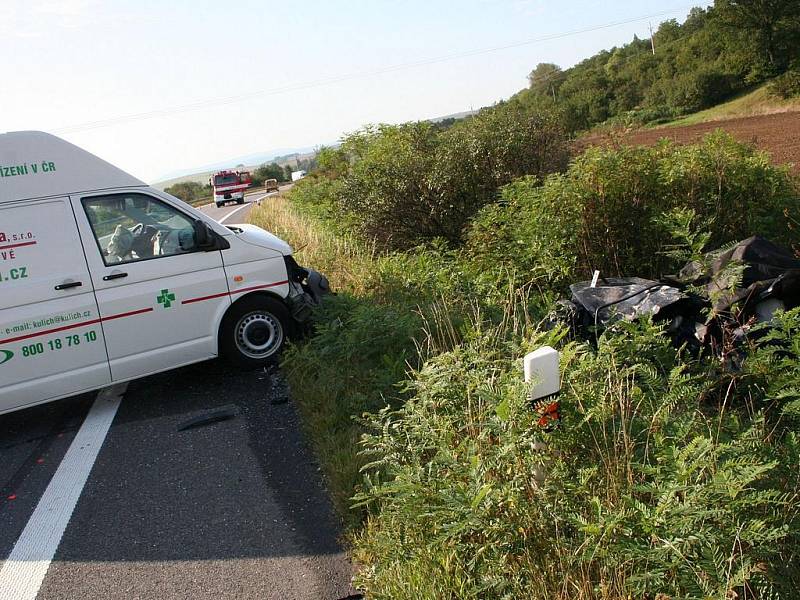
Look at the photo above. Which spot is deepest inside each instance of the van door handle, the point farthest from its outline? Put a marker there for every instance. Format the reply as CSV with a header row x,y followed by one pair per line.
x,y
71,284
114,276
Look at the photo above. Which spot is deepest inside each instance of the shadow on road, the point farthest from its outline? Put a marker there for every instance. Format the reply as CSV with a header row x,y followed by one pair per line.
x,y
242,487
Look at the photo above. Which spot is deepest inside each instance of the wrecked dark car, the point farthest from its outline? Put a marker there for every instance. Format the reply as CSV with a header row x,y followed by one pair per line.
x,y
729,290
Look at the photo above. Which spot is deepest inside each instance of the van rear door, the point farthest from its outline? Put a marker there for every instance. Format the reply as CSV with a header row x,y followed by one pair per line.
x,y
51,341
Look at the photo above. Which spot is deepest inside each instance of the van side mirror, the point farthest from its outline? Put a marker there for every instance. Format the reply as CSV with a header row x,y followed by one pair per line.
x,y
203,235
206,238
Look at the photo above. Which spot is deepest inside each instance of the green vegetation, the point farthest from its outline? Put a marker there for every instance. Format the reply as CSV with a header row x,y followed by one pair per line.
x,y
648,490
192,192
669,474
409,184
271,171
607,210
787,85
760,101
364,335
715,54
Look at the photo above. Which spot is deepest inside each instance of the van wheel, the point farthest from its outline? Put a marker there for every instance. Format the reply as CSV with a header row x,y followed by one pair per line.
x,y
254,332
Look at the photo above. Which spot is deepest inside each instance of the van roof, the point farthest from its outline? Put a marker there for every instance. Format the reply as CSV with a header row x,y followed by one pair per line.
x,y
34,164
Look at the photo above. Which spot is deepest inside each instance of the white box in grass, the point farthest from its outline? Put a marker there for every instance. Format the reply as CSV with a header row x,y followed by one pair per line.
x,y
541,369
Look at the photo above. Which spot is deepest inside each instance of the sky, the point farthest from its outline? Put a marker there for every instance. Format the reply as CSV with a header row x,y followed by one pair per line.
x,y
157,86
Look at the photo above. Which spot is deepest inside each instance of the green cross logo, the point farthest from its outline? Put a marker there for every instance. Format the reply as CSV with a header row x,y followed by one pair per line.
x,y
5,356
166,298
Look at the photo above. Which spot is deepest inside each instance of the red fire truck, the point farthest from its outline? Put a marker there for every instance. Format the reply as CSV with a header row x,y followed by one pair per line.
x,y
230,186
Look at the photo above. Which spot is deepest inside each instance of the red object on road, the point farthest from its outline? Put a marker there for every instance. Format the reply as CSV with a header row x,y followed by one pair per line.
x,y
230,185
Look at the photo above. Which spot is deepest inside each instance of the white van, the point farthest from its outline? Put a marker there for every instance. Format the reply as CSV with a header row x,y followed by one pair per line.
x,y
104,279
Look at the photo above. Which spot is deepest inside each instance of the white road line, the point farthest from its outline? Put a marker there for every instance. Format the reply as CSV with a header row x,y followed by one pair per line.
x,y
26,567
233,212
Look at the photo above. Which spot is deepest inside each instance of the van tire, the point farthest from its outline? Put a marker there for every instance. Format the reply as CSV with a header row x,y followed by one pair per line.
x,y
254,331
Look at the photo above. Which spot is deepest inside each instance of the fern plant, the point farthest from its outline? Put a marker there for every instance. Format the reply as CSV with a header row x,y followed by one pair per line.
x,y
647,488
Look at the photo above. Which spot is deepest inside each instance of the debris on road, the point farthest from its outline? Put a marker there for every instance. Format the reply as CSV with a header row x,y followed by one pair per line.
x,y
217,416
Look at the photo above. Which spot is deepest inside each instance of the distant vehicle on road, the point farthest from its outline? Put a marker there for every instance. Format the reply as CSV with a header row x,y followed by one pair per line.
x,y
230,186
271,185
298,175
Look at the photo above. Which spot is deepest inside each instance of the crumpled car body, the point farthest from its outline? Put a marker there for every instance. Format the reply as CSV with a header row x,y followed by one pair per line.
x,y
755,276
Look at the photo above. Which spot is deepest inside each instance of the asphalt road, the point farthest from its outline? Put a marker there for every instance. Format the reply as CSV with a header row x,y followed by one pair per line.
x,y
177,504
232,213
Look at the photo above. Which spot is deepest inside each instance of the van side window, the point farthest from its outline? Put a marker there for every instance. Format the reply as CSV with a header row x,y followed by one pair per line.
x,y
133,227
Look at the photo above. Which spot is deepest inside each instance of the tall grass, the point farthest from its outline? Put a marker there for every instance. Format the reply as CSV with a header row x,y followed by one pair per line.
x,y
342,257
328,378
391,312
366,337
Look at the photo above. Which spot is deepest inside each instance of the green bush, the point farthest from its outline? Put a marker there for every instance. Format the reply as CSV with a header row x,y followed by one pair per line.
x,y
316,196
645,116
787,85
645,491
385,190
475,158
191,192
700,89
410,184
607,211
269,171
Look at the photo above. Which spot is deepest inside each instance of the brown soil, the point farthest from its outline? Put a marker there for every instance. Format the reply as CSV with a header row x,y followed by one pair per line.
x,y
778,134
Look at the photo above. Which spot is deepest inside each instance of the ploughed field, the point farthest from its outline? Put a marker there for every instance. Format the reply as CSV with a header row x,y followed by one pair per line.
x,y
778,134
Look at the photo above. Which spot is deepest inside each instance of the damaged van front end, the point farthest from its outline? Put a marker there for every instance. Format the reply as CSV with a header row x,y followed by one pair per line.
x,y
307,287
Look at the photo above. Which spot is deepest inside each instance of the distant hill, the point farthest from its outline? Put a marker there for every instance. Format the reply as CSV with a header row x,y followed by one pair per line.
x,y
455,116
716,55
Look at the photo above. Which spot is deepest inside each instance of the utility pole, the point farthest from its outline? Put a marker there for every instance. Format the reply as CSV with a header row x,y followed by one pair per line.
x,y
652,40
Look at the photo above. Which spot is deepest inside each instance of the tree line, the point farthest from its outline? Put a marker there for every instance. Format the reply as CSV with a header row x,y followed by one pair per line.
x,y
716,53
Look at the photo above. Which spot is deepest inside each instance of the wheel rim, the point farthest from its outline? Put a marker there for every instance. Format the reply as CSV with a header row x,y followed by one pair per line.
x,y
259,334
